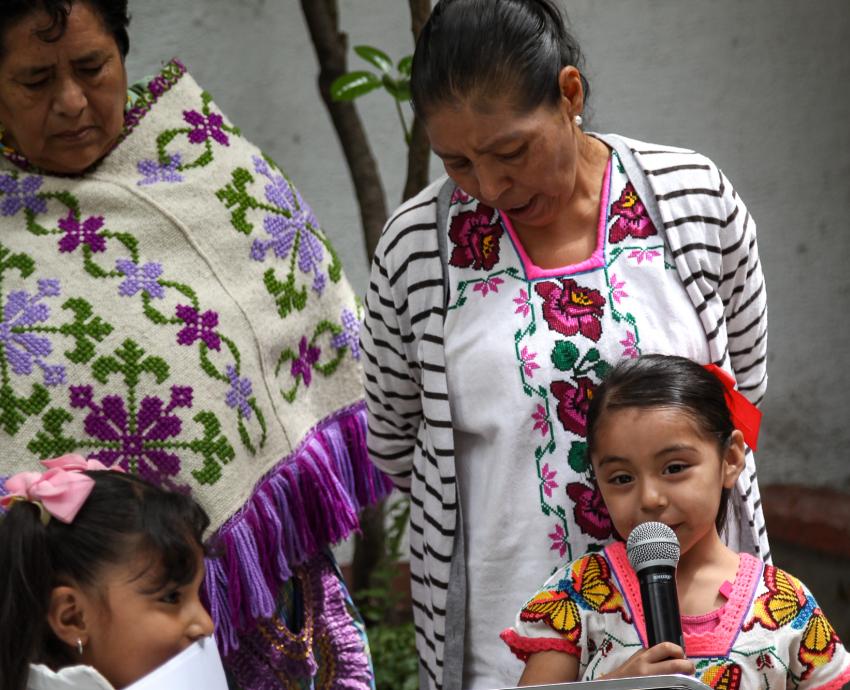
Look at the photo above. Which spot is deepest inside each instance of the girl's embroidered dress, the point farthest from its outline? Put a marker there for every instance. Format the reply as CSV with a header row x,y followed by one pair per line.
x,y
525,347
176,311
769,634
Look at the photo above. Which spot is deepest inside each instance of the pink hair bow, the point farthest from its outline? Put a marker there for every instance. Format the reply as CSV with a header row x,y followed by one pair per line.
x,y
60,491
745,416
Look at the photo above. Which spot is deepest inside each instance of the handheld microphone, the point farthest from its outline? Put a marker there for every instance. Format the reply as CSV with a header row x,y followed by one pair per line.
x,y
653,551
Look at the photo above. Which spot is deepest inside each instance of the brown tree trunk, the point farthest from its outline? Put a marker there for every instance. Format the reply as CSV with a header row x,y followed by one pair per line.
x,y
419,152
331,47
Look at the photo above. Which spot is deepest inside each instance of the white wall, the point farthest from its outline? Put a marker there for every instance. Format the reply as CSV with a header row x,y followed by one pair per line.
x,y
759,86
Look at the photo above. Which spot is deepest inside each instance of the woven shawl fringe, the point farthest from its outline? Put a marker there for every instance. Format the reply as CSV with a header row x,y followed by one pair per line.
x,y
310,499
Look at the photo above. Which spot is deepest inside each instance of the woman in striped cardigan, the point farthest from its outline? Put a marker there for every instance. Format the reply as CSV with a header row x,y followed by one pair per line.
x,y
501,295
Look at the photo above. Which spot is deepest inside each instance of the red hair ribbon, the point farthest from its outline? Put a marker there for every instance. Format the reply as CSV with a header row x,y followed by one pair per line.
x,y
745,416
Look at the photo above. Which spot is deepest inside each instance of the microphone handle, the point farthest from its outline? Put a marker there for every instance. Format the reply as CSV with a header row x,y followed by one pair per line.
x,y
661,605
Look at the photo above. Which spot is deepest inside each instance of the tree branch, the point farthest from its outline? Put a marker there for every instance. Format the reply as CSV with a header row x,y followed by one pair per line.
x,y
419,151
331,46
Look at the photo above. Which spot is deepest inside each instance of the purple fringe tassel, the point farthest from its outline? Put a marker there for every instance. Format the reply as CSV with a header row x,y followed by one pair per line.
x,y
309,500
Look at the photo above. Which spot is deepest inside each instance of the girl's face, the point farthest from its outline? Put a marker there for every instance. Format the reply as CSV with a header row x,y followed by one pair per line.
x,y
137,626
656,464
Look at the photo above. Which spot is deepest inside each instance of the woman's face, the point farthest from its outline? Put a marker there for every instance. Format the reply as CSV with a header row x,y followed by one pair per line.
x,y
522,163
62,103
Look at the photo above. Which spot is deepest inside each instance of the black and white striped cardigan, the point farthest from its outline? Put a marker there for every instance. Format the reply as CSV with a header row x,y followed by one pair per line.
x,y
712,239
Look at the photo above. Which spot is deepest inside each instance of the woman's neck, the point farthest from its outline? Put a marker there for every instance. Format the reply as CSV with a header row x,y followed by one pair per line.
x,y
572,236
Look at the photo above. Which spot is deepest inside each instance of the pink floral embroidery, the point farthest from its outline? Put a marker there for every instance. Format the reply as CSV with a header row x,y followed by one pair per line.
x,y
523,303
488,285
617,287
590,512
541,420
559,540
573,402
547,476
460,197
641,254
630,345
528,363
570,308
632,220
476,239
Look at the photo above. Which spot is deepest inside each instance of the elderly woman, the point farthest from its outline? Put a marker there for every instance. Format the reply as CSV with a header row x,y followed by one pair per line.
x,y
171,307
502,295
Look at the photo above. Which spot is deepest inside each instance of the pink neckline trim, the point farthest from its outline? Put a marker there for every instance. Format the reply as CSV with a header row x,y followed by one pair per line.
x,y
595,260
715,642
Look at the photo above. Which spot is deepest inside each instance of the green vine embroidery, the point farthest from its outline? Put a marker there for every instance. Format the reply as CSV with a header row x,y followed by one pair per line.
x,y
303,363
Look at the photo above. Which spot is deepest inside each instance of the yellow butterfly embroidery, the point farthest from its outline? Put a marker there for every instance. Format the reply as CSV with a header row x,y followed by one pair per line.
x,y
589,587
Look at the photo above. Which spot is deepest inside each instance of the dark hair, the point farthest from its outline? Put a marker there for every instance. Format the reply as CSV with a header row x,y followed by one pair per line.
x,y
113,14
475,47
124,516
666,381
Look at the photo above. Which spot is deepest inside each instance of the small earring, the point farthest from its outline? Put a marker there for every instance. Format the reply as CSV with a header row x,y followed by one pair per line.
x,y
79,646
577,120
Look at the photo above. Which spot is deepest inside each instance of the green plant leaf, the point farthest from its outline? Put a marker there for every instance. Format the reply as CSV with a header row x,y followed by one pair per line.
x,y
593,355
376,57
398,88
578,456
564,355
354,84
404,65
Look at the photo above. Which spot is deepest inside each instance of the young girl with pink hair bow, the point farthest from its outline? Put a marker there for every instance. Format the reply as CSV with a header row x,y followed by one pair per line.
x,y
100,575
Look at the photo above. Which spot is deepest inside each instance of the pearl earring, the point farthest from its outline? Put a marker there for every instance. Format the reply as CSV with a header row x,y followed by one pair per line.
x,y
79,646
577,120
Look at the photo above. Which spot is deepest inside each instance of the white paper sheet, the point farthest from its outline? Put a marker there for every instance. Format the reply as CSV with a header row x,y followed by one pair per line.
x,y
197,666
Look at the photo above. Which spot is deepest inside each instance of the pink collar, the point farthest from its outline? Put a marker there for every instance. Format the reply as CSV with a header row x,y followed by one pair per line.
x,y
716,642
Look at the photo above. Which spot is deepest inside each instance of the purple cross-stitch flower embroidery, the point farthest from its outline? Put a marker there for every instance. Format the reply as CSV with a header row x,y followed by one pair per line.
x,y
239,395
523,303
547,478
135,445
528,363
153,171
138,278
488,285
283,230
350,336
205,127
541,420
158,85
22,348
198,327
77,233
559,540
302,366
590,512
630,345
21,194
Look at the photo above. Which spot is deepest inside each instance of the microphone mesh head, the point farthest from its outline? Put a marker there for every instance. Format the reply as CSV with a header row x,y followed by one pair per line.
x,y
651,544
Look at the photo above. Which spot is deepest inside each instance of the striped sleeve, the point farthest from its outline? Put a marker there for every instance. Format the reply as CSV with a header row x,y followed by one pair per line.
x,y
742,289
713,241
396,311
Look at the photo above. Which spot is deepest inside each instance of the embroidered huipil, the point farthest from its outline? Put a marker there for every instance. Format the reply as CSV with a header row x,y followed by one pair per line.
x,y
712,242
177,311
524,348
769,634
